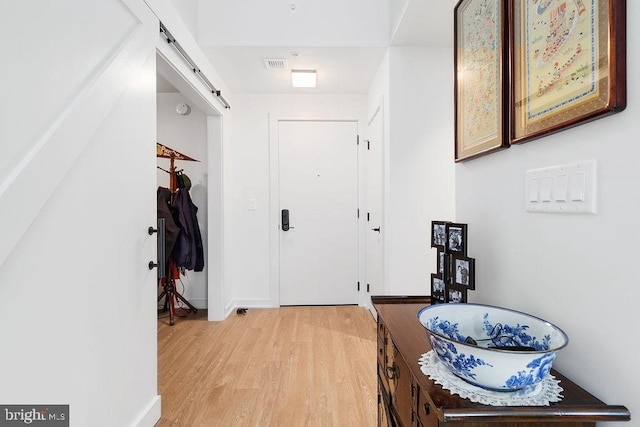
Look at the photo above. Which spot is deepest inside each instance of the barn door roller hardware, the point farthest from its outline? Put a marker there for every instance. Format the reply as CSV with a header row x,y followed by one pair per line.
x,y
173,42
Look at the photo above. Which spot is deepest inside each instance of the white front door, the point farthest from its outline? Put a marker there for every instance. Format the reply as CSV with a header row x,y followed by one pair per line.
x,y
319,187
374,192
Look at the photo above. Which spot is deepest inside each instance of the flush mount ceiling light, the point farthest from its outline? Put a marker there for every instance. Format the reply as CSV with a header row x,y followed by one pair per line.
x,y
303,78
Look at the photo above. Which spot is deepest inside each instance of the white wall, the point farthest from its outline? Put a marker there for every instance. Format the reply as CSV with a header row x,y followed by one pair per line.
x,y
573,270
188,10
397,9
188,135
419,173
421,176
247,237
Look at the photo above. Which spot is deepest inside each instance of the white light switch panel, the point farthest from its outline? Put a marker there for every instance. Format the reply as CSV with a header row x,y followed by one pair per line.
x,y
569,188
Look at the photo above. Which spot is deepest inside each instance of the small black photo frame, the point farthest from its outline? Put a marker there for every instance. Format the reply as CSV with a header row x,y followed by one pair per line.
x,y
456,242
442,267
438,299
438,287
463,271
456,294
438,234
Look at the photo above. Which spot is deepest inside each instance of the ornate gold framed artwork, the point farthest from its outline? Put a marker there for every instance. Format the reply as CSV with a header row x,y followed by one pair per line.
x,y
480,41
568,64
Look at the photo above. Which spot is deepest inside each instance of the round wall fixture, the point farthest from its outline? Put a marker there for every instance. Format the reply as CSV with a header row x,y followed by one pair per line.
x,y
183,109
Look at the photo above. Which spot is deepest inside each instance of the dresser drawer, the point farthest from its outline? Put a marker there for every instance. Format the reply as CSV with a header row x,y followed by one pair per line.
x,y
426,416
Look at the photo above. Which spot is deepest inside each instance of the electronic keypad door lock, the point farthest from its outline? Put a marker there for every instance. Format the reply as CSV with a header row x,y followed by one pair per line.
x,y
285,220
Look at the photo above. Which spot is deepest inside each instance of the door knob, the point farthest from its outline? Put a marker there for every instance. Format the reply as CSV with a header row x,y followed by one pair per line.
x,y
376,229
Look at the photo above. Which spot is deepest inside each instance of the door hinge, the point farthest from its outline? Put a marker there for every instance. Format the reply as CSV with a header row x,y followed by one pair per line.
x,y
367,216
358,286
357,139
358,214
367,287
368,145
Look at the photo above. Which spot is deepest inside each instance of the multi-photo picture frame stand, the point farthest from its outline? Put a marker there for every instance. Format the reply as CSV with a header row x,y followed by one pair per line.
x,y
455,271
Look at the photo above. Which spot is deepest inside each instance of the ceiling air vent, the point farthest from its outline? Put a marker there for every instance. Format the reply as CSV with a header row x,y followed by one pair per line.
x,y
275,63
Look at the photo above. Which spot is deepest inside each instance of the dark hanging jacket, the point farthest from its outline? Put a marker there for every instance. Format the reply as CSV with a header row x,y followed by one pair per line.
x,y
171,230
188,251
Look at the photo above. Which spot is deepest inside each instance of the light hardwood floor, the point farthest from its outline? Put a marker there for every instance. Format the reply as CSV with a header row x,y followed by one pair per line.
x,y
291,366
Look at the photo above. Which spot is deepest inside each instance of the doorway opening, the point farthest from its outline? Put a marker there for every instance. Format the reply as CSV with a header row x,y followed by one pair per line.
x,y
182,127
188,123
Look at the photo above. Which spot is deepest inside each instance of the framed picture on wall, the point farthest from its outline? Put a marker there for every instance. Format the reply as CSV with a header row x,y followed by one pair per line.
x,y
481,78
438,234
463,271
569,64
456,238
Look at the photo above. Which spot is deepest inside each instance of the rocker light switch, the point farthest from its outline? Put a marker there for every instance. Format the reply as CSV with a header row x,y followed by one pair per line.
x,y
560,188
545,189
577,186
534,186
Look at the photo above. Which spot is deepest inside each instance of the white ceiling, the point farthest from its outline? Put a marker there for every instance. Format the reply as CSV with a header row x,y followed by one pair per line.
x,y
340,70
344,40
318,23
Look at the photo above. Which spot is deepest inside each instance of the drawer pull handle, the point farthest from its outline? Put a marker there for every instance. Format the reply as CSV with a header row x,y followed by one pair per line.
x,y
393,372
427,408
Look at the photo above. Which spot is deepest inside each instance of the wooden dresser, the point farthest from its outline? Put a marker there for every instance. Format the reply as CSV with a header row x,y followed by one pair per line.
x,y
407,397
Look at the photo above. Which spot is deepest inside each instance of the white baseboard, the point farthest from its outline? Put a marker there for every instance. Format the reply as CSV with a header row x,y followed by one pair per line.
x,y
229,308
151,414
248,303
199,303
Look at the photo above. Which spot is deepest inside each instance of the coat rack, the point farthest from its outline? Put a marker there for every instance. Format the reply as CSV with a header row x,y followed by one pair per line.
x,y
169,291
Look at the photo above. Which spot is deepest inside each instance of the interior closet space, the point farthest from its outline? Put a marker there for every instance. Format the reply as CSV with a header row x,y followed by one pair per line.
x,y
182,126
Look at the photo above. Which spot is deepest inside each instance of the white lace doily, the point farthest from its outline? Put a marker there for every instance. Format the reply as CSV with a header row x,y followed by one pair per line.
x,y
542,394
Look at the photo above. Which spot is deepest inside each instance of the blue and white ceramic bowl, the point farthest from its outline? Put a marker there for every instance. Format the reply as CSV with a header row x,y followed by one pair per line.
x,y
505,350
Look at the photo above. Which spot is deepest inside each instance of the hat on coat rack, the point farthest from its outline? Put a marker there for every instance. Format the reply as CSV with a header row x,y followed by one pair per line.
x,y
184,181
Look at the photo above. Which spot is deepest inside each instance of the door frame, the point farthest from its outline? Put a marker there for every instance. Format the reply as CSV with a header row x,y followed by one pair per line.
x,y
376,112
175,70
274,202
